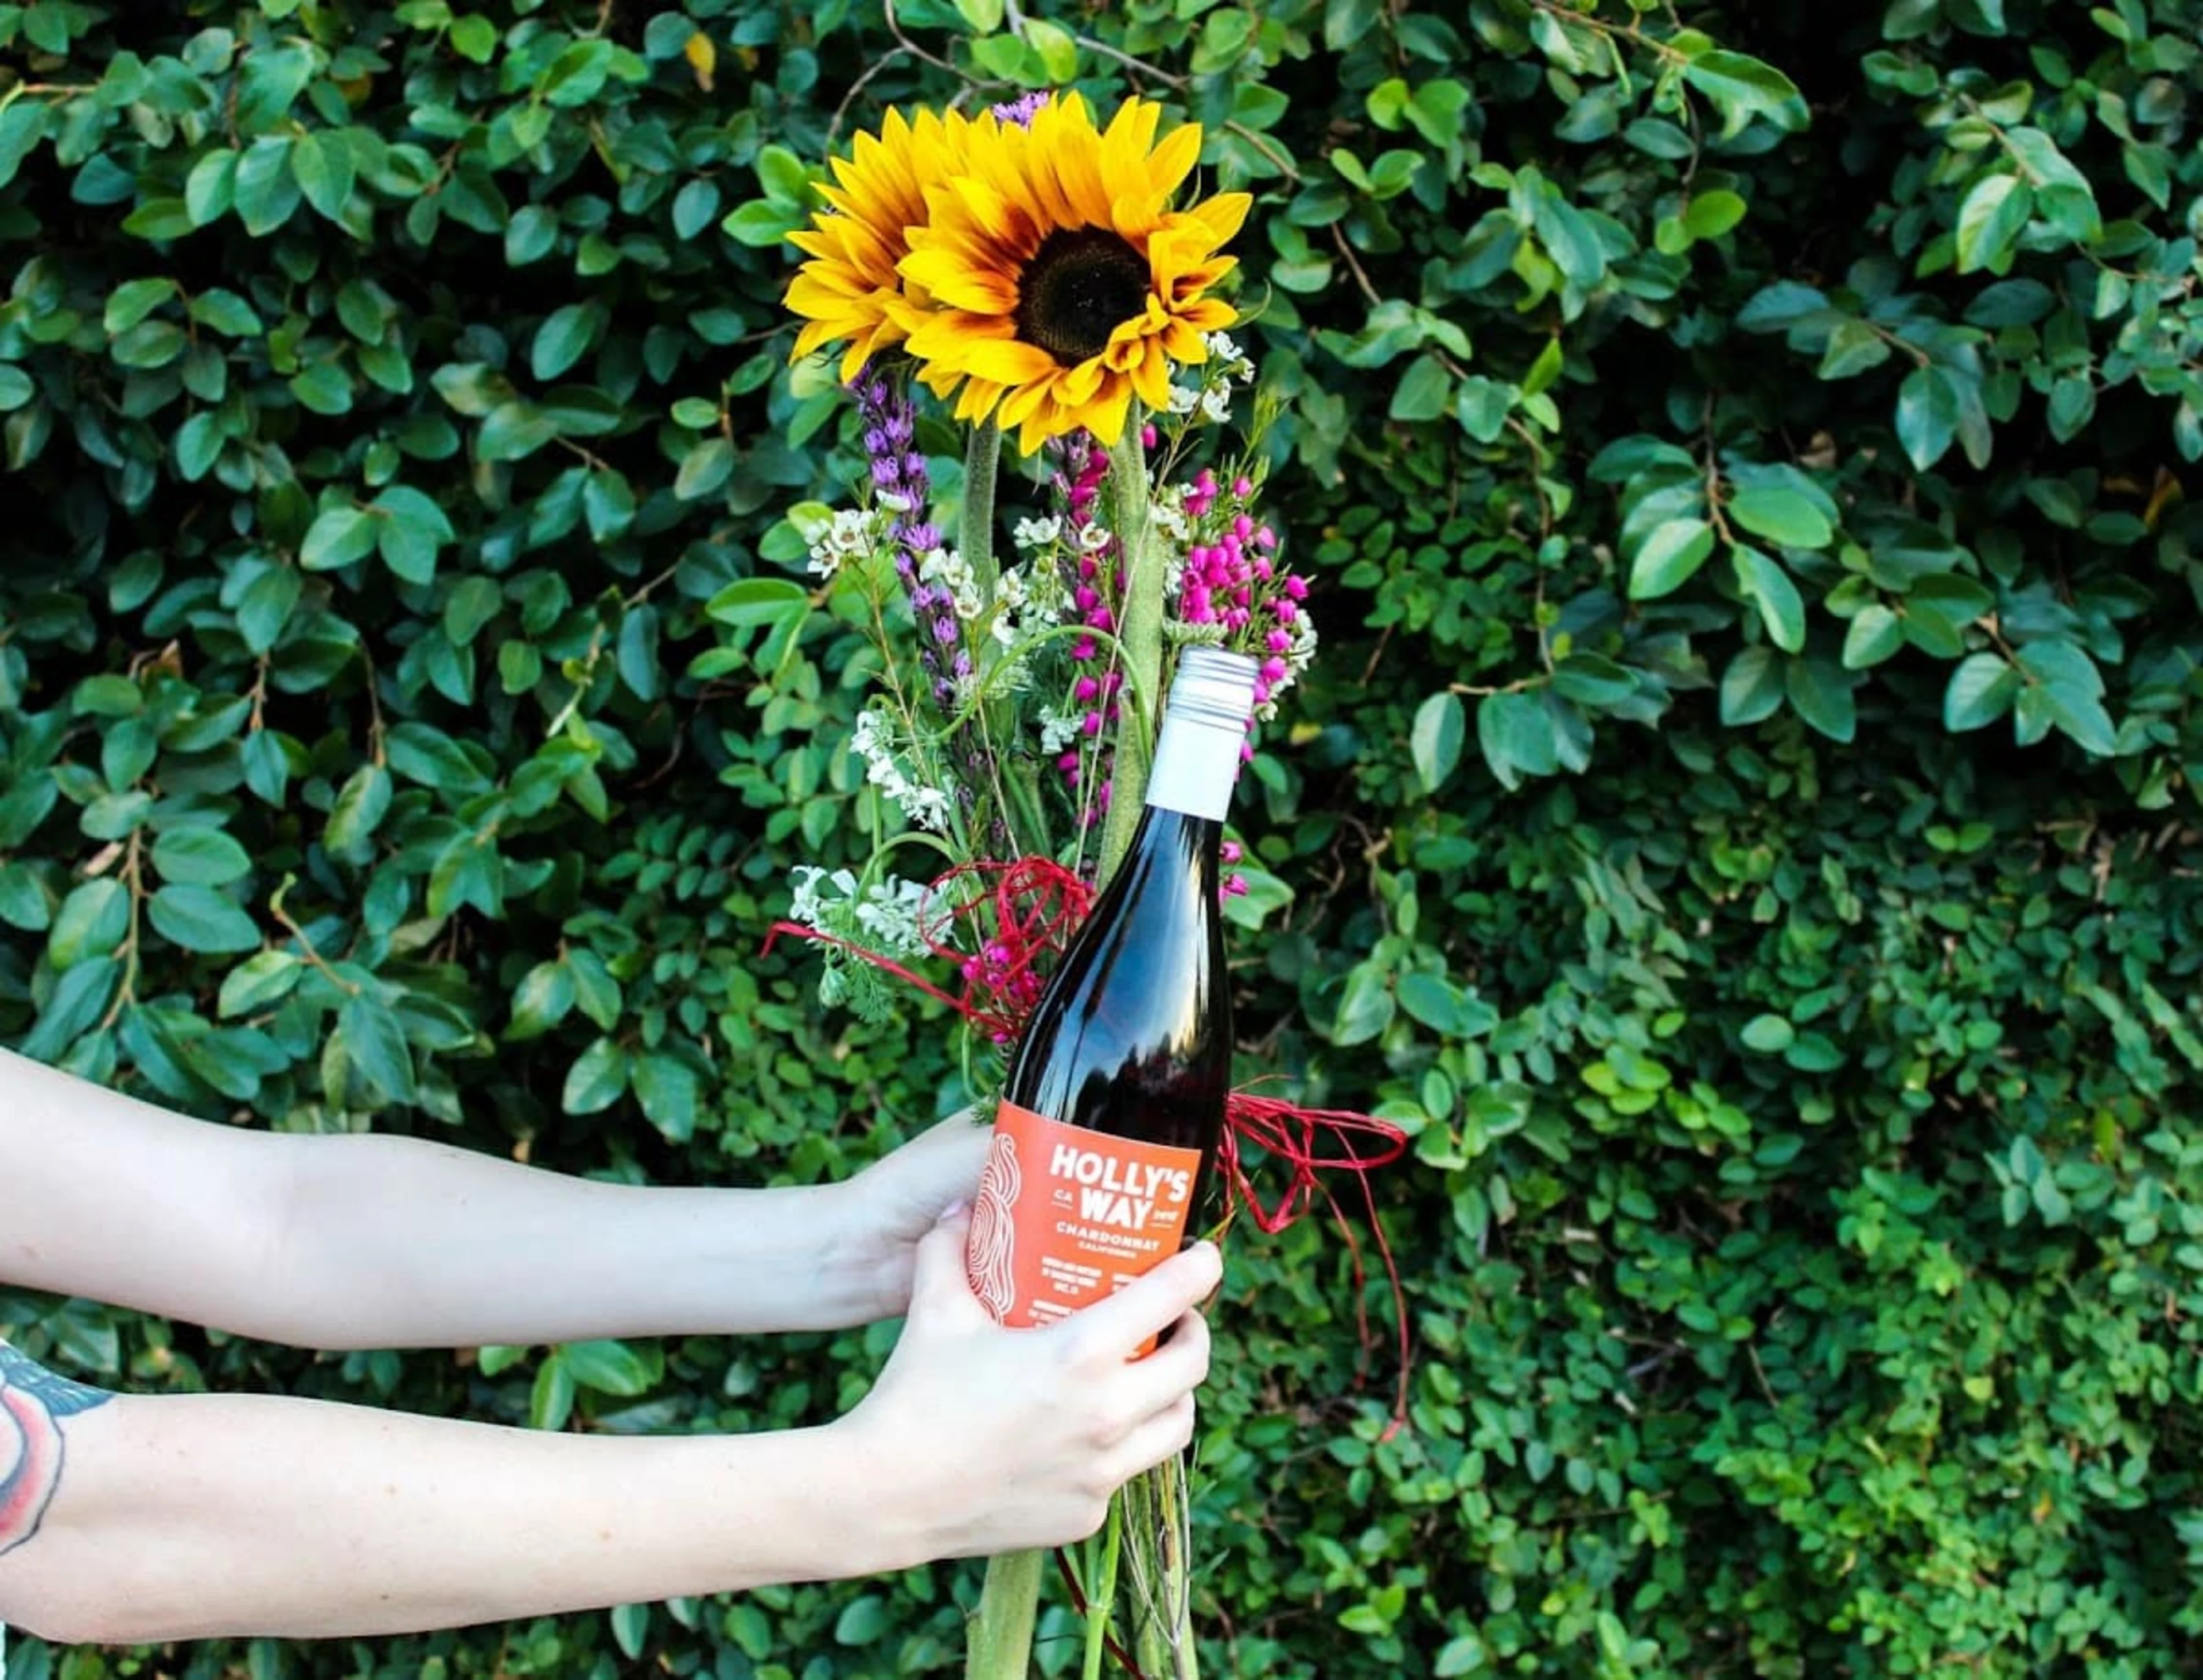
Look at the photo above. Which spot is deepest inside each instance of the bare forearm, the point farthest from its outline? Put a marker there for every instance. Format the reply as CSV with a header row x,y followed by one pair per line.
x,y
188,1517
391,1242
379,1242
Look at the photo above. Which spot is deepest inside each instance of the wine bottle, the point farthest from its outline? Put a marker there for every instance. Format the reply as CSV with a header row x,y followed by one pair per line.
x,y
1115,1101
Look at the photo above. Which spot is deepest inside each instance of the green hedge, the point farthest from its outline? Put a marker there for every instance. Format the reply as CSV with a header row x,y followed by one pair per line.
x,y
1744,819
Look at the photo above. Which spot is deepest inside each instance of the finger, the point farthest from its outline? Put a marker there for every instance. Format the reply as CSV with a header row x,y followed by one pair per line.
x,y
1164,1435
1174,1369
959,1144
939,1284
1149,1305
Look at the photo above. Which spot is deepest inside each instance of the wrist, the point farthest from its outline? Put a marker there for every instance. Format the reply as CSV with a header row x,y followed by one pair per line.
x,y
851,1268
882,1483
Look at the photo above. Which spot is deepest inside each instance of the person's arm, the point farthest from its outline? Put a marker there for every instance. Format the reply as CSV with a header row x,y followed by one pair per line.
x,y
351,1241
141,1520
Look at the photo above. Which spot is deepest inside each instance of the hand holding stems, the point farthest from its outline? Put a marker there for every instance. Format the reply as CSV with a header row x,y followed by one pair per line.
x,y
1013,1440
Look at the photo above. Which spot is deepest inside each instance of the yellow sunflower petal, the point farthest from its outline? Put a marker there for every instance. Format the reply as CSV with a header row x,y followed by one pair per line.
x,y
1006,361
958,285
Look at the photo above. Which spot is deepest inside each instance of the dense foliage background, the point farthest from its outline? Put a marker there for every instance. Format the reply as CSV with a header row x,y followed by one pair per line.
x,y
1745,819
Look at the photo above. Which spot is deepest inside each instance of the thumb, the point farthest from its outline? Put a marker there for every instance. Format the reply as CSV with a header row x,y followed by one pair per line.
x,y
939,1280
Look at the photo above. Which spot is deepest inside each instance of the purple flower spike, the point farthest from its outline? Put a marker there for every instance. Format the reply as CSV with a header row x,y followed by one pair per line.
x,y
1022,110
891,426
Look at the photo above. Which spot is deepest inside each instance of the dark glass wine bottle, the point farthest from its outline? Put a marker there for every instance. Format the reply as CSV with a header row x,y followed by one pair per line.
x,y
1114,1104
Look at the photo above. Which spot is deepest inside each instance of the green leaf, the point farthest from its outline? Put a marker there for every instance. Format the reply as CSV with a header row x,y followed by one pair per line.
x,y
201,857
597,1078
761,223
1434,743
563,339
705,468
266,605
338,536
266,192
1853,347
375,1040
23,903
1056,47
1366,1006
864,1620
630,1625
1769,1034
1875,634
424,753
323,166
1781,516
608,1367
1713,214
131,302
23,124
1424,391
543,998
1990,222
409,531
1593,680
1742,87
473,603
1515,732
359,806
80,998
210,188
1926,416
1667,557
473,38
92,922
1981,690
2070,689
468,872
1822,695
199,919
513,431
1768,586
262,979
669,1091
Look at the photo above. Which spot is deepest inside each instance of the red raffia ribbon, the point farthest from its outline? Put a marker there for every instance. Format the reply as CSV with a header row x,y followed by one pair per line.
x,y
1012,929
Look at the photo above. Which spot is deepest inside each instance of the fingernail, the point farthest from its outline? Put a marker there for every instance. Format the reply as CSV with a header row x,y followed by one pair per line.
x,y
951,1213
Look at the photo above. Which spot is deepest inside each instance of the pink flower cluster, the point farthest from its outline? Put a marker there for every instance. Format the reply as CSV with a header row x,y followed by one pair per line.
x,y
1095,582
1232,579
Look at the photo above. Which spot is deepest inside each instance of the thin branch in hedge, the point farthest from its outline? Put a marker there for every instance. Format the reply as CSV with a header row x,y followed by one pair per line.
x,y
134,881
350,988
895,28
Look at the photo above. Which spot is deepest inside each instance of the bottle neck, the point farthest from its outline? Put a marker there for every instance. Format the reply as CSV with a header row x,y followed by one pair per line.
x,y
1196,764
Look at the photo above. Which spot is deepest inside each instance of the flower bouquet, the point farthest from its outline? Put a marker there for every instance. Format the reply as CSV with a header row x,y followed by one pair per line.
x,y
1030,269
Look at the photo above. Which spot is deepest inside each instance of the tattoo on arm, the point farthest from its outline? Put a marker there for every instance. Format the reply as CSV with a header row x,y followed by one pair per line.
x,y
33,1403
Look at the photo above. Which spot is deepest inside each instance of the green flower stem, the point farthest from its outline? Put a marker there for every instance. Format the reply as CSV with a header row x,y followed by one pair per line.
x,y
975,535
1000,1634
1101,1593
1141,631
1017,788
1158,1522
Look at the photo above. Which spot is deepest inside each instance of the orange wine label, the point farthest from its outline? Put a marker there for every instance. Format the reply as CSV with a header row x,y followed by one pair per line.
x,y
1065,1216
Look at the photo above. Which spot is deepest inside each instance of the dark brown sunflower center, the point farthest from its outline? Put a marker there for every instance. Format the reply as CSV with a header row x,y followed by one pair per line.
x,y
1080,285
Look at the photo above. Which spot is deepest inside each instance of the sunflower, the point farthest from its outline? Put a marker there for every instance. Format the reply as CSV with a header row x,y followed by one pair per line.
x,y
849,289
1061,285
